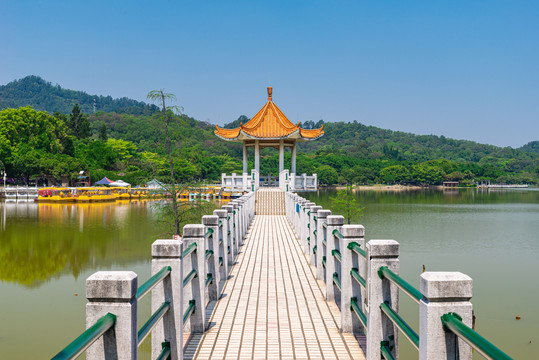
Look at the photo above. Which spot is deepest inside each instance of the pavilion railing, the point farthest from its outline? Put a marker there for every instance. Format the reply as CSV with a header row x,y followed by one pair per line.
x,y
186,275
363,279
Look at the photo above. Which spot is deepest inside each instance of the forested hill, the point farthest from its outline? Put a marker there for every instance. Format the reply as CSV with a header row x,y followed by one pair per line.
x,y
43,95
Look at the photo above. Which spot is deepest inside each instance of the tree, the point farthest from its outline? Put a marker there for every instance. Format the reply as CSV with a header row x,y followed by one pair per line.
x,y
327,175
103,133
345,204
79,124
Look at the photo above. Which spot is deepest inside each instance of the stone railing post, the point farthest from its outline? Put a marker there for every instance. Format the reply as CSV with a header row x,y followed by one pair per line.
x,y
306,228
235,223
213,266
224,248
194,233
113,292
230,232
320,247
443,292
380,328
335,222
312,233
168,253
350,288
299,217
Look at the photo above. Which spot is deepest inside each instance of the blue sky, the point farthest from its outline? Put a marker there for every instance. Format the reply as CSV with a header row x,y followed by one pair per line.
x,y
463,69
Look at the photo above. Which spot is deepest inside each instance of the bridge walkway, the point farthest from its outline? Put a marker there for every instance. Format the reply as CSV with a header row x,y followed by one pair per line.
x,y
272,307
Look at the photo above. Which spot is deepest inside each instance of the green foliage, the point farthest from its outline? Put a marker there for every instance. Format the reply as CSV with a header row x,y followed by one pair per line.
x,y
327,175
78,123
345,204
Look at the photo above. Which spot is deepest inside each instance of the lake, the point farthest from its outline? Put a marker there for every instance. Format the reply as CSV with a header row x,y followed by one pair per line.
x,y
48,250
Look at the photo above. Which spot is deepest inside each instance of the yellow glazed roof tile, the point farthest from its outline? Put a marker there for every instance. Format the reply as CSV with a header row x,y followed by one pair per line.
x,y
269,123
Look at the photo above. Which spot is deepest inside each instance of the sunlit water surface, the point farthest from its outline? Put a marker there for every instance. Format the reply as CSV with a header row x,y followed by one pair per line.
x,y
48,250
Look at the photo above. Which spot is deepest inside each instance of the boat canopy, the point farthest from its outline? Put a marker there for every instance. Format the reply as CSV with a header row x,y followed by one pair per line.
x,y
104,181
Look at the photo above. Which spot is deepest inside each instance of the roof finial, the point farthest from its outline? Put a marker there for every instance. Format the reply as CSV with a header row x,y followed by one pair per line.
x,y
269,93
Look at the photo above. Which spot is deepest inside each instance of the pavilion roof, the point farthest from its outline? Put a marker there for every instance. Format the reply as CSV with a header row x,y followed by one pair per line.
x,y
269,123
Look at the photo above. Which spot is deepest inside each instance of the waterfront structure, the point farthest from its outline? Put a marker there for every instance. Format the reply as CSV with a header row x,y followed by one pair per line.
x,y
269,128
281,242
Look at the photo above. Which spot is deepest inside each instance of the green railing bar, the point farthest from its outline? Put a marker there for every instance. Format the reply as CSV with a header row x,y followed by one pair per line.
x,y
308,239
189,250
314,232
220,223
209,279
208,255
234,212
336,254
189,311
228,232
355,274
408,289
228,217
308,225
453,322
208,233
220,242
87,338
152,321
360,314
308,213
325,224
323,261
354,246
165,352
152,282
220,261
314,249
228,249
193,274
324,242
314,218
336,280
338,234
401,324
386,351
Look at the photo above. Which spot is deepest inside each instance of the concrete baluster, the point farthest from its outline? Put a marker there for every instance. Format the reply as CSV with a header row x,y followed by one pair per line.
x,y
444,292
213,266
223,248
168,253
312,232
350,288
335,222
196,290
380,328
113,292
320,247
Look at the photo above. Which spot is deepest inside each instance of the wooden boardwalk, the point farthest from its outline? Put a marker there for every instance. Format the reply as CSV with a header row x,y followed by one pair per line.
x,y
272,306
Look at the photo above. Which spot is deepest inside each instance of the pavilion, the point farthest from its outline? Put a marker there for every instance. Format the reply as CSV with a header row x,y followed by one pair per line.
x,y
269,128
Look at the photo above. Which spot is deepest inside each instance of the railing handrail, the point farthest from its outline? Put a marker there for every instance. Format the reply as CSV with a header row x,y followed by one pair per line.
x,y
87,338
403,326
354,246
189,250
408,289
208,233
453,322
145,329
337,233
152,282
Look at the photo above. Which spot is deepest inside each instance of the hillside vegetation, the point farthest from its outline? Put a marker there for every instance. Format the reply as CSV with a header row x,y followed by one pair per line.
x,y
37,145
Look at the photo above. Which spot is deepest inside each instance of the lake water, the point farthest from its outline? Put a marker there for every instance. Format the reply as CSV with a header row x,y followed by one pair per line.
x,y
48,250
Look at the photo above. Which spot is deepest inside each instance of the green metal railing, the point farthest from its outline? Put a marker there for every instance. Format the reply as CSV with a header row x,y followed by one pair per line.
x,y
386,351
165,352
189,250
220,223
152,321
408,289
220,261
314,249
87,338
209,254
355,274
336,280
192,274
401,324
209,279
145,288
323,261
189,311
208,233
325,225
336,254
360,314
338,234
453,322
354,246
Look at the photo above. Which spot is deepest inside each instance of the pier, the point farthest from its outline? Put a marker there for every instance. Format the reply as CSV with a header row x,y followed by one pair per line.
x,y
273,276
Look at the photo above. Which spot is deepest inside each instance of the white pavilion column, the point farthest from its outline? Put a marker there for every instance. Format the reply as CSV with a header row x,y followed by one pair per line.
x,y
293,169
257,156
244,158
281,156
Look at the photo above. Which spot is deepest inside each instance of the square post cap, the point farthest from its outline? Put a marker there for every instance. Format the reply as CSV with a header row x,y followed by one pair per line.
x,y
446,286
322,214
220,213
166,248
353,231
111,286
193,230
210,220
335,220
382,249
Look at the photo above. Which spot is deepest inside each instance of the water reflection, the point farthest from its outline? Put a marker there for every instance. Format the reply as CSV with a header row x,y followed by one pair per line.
x,y
43,241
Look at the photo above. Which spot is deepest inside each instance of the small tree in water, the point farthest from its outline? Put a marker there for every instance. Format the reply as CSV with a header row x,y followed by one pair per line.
x,y
345,204
179,213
